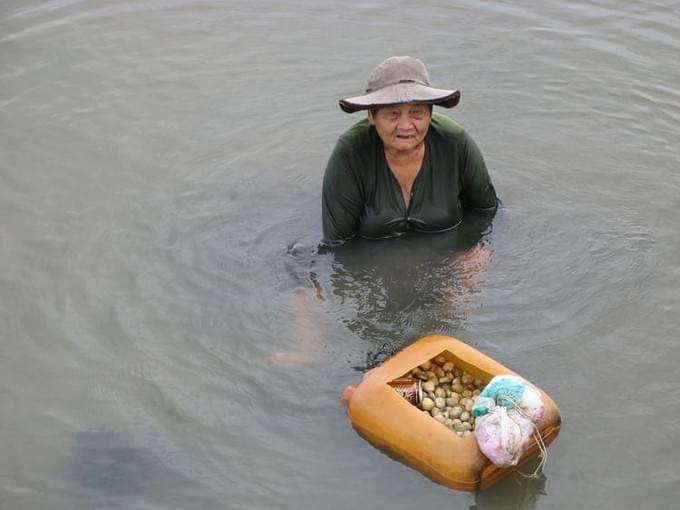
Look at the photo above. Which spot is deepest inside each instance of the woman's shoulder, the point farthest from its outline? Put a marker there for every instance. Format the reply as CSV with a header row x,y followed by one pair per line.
x,y
354,147
446,127
358,136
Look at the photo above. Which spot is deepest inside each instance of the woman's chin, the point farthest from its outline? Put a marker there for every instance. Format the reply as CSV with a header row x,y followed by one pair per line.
x,y
405,145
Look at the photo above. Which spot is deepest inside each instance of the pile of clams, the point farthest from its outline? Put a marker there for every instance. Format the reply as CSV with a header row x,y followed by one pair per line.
x,y
448,394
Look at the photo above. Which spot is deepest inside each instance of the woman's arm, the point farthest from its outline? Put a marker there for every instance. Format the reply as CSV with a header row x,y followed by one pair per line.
x,y
306,312
341,199
478,192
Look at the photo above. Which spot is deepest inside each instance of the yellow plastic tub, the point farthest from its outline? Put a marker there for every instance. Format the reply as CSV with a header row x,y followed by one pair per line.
x,y
388,421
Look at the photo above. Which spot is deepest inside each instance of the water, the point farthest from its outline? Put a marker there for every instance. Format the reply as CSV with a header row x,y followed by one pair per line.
x,y
160,176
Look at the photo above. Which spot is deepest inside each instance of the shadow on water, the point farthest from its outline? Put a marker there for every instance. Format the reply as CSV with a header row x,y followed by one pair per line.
x,y
114,471
393,291
514,492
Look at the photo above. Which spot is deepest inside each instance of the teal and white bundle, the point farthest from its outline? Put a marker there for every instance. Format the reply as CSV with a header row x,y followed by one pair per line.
x,y
507,410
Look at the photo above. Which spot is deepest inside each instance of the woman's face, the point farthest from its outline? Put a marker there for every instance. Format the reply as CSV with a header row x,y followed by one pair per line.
x,y
402,128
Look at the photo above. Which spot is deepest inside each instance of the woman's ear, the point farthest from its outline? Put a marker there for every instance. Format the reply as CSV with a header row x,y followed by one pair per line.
x,y
371,118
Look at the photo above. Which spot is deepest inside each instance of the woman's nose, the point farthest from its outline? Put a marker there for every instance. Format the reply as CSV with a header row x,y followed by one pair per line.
x,y
404,122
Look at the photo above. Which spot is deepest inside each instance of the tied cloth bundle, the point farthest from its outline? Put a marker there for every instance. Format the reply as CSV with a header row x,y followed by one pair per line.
x,y
506,412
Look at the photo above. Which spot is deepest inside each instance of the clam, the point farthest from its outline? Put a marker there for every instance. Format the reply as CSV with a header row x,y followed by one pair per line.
x,y
428,386
427,404
456,411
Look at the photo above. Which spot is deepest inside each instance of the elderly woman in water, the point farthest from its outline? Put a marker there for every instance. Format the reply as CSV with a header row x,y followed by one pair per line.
x,y
401,169
404,168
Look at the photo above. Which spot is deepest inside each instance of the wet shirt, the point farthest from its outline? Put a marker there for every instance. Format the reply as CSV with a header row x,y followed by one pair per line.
x,y
361,196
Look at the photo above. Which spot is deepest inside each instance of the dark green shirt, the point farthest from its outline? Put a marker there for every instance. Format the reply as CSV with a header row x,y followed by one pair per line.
x,y
362,197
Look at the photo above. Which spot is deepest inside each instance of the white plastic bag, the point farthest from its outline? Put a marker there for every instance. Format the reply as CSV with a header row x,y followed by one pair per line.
x,y
502,435
507,411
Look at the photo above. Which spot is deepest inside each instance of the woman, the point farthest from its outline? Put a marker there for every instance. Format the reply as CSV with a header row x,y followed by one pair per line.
x,y
403,168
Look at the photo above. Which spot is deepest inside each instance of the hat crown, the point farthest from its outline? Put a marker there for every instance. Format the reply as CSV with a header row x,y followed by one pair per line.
x,y
396,70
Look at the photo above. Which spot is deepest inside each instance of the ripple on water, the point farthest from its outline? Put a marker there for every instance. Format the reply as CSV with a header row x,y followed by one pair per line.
x,y
160,213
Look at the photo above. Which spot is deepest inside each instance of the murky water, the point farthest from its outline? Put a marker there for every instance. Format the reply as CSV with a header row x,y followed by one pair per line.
x,y
160,176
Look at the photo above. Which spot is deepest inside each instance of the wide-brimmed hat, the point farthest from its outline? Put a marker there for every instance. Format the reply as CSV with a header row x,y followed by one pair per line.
x,y
400,80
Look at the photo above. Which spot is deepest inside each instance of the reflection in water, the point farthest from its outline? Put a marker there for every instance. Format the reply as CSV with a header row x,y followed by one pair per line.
x,y
396,290
516,491
115,471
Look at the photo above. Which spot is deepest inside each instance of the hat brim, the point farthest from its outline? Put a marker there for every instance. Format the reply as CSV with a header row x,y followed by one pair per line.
x,y
401,93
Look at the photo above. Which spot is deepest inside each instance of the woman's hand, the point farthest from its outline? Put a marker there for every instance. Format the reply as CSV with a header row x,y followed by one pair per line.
x,y
471,263
306,354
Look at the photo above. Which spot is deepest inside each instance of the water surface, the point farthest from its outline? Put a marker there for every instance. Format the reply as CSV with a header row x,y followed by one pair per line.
x,y
160,173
